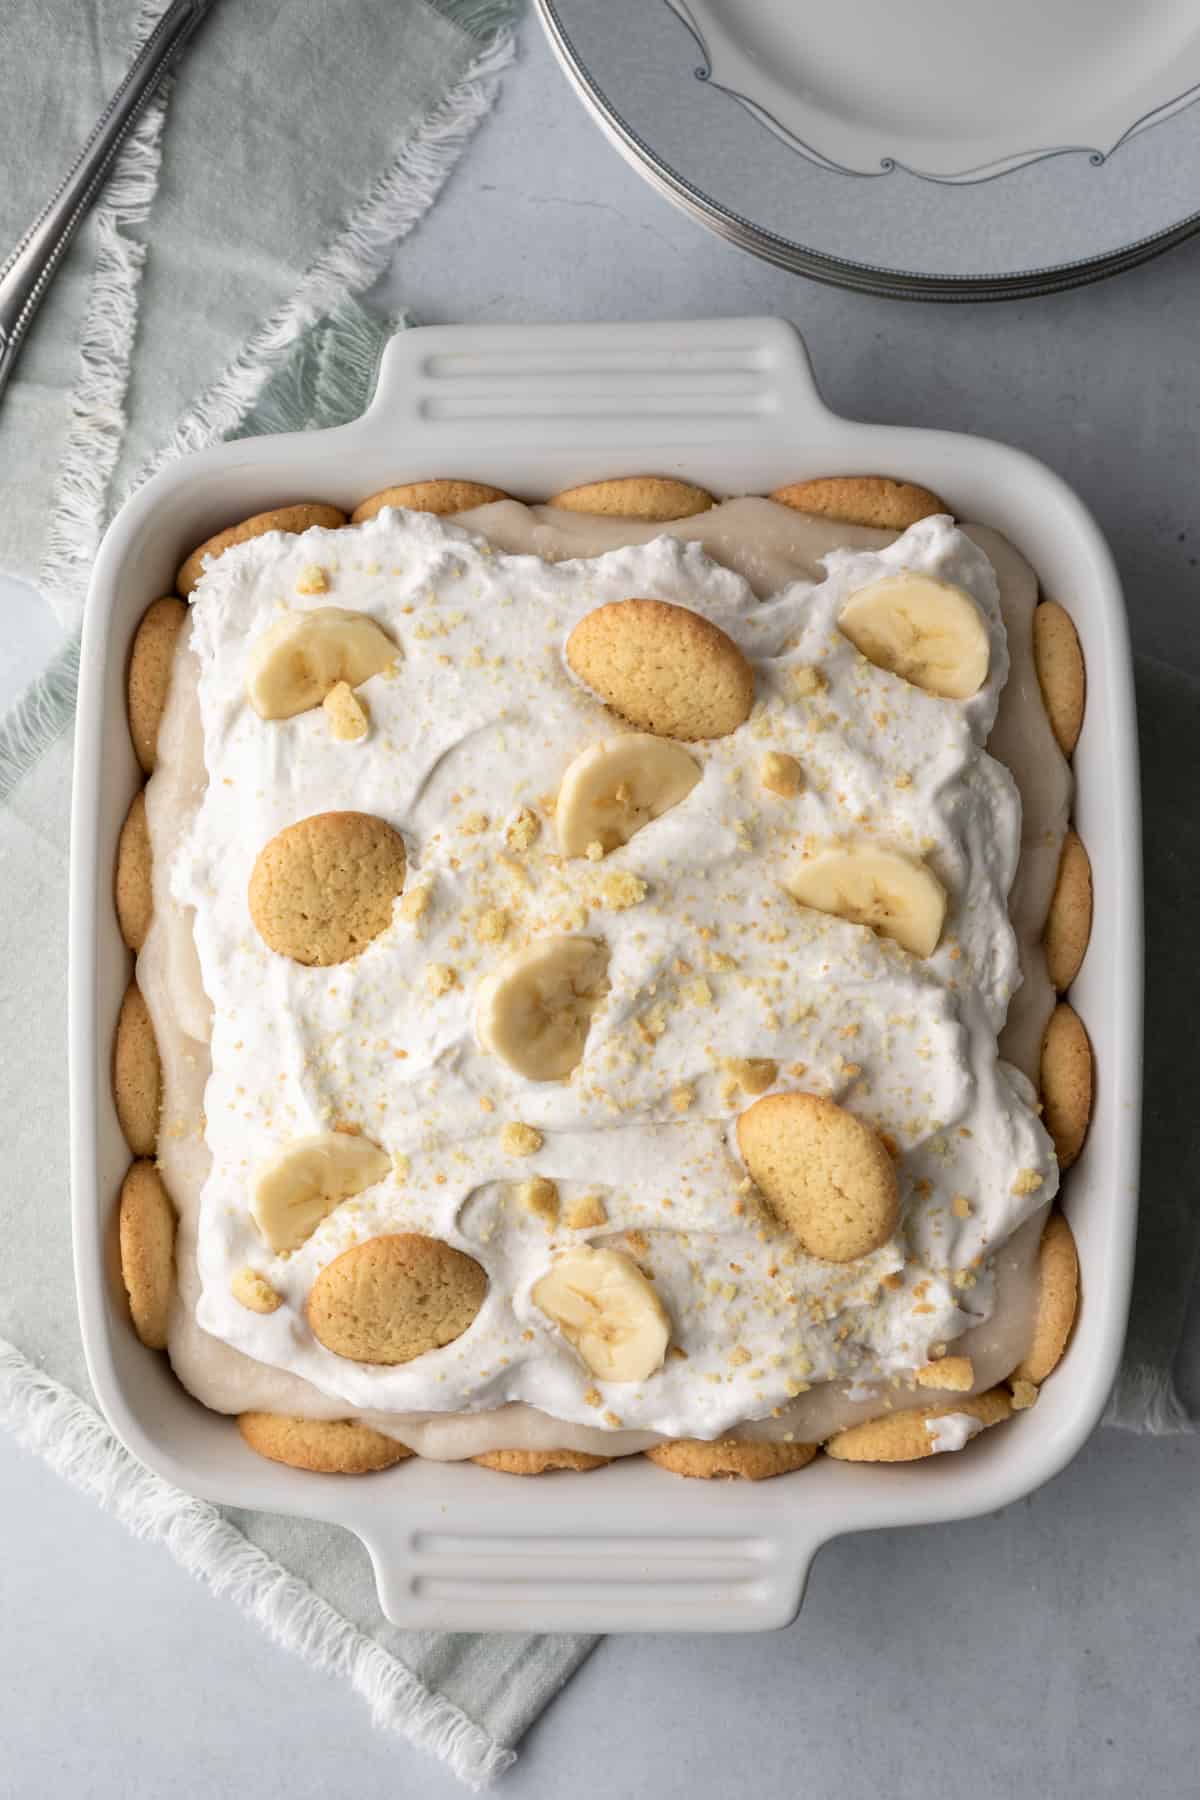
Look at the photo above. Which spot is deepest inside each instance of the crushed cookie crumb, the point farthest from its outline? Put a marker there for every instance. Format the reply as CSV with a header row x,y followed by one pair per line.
x,y
956,1373
251,1289
414,904
539,1196
651,1024
1028,1181
514,870
313,580
682,1098
522,830
960,1206
696,993
781,774
1024,1395
586,1213
595,851
518,1139
491,927
807,681
620,889
439,979
593,1397
753,1074
346,713
475,824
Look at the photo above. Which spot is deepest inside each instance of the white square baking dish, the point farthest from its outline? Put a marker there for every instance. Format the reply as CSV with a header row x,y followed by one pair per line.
x,y
730,404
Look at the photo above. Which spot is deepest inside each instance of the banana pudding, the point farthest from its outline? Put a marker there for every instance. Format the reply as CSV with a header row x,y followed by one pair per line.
x,y
592,969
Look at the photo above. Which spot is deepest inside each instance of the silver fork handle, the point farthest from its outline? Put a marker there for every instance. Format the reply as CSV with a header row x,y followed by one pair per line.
x,y
28,272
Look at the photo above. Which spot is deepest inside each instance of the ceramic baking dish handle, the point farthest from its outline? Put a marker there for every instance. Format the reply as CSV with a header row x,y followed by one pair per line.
x,y
732,383
456,1577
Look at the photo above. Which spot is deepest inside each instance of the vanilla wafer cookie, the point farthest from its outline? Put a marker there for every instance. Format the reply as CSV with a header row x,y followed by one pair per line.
x,y
862,500
653,499
137,1074
751,1459
132,889
1066,1082
539,1462
151,660
1057,1301
301,516
1069,921
323,1446
904,1437
324,888
441,496
146,1229
1060,671
665,669
824,1172
392,1299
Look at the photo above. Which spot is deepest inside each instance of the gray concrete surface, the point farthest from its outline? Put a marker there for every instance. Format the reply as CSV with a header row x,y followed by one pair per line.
x,y
1050,1649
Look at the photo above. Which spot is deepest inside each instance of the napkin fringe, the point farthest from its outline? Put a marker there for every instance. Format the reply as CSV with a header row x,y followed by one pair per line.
x,y
39,717
1145,1399
329,377
482,18
97,426
50,1420
397,200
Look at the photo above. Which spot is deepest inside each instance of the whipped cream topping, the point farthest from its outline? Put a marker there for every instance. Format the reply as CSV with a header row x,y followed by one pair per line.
x,y
952,1431
477,725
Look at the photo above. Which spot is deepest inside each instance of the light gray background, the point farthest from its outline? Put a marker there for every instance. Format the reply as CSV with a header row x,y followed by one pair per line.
x,y
1052,1648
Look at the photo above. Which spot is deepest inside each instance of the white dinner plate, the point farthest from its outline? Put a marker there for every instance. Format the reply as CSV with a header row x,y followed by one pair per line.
x,y
949,149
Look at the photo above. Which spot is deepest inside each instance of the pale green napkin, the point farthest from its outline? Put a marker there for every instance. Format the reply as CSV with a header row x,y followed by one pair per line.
x,y
297,144
301,141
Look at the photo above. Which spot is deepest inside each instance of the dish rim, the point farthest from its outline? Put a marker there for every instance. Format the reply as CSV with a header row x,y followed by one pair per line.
x,y
457,1546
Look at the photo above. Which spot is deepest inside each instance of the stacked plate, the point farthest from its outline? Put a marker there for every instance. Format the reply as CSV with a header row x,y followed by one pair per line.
x,y
952,149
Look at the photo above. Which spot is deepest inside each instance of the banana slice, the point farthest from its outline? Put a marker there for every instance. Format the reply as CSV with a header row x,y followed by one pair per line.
x,y
895,895
612,789
926,631
534,1010
604,1305
296,661
298,1187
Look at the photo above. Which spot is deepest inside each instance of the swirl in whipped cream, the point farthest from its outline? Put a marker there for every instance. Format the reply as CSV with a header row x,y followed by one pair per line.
x,y
716,963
